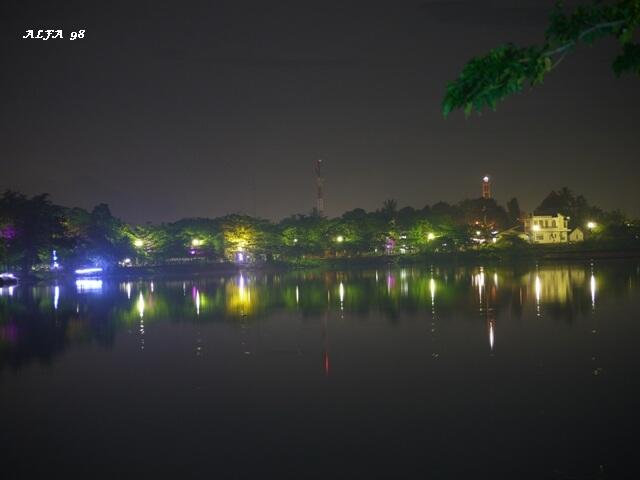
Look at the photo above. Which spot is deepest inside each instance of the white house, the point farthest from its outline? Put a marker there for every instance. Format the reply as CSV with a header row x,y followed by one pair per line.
x,y
576,235
547,228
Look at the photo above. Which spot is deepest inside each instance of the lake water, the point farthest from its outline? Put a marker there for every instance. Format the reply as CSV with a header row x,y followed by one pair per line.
x,y
417,372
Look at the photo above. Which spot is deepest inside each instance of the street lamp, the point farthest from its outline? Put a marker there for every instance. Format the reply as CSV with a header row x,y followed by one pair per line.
x,y
138,242
196,242
591,225
339,239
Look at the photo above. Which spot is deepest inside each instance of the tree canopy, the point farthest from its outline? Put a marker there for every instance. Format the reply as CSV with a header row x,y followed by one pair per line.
x,y
507,69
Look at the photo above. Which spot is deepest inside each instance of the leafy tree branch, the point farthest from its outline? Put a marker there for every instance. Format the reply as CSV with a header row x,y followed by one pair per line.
x,y
507,69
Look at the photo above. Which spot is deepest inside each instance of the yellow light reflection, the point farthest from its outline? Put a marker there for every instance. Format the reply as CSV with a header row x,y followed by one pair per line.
x,y
141,305
240,297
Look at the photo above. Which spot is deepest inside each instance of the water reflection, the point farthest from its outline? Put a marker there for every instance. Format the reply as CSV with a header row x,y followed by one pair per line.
x,y
98,309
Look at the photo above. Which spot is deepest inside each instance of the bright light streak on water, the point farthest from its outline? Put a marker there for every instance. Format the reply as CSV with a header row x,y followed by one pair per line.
x,y
297,295
128,287
6,290
432,289
197,302
140,305
491,338
56,296
88,285
592,284
480,283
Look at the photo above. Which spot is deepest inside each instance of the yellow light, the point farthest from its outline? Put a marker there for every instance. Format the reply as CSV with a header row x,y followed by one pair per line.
x,y
536,228
478,232
196,242
430,236
138,242
339,239
591,225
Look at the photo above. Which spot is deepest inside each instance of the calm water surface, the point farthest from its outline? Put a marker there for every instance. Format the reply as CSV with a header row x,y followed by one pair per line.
x,y
509,372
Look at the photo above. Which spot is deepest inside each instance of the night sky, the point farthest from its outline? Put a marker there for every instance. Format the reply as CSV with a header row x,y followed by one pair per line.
x,y
177,109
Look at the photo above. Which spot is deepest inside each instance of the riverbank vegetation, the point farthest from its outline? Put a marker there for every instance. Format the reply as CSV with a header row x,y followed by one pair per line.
x,y
37,235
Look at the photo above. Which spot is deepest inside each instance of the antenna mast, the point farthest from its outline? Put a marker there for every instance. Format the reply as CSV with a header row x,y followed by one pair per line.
x,y
319,186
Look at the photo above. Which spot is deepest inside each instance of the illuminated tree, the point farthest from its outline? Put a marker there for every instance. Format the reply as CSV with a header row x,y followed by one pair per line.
x,y
505,70
243,235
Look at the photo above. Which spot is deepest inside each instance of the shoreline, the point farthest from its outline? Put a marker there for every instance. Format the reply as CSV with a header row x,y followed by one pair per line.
x,y
544,255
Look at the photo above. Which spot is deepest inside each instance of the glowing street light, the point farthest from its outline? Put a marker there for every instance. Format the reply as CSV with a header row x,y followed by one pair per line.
x,y
430,236
339,239
536,228
196,242
591,225
138,242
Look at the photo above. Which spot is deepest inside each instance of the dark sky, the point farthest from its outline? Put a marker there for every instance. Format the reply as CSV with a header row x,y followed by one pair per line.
x,y
174,109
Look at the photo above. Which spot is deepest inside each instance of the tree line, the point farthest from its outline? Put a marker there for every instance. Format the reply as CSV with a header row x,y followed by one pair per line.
x,y
32,228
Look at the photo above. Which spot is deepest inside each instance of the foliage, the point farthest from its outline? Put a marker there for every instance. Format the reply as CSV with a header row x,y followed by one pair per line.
x,y
566,203
36,227
507,69
97,237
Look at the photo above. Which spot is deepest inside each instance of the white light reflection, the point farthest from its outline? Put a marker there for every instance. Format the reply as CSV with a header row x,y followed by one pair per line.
x,y
297,295
432,289
495,279
56,296
8,290
140,305
491,338
197,302
88,284
128,288
538,292
241,290
480,283
151,287
592,284
341,291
